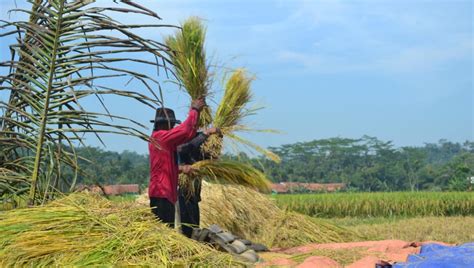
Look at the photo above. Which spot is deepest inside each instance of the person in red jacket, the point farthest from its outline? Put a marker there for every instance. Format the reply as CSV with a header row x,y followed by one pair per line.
x,y
163,158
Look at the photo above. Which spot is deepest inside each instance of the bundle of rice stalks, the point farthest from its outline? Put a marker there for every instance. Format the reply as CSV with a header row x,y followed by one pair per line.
x,y
231,111
234,172
230,114
237,95
189,59
88,230
238,209
254,216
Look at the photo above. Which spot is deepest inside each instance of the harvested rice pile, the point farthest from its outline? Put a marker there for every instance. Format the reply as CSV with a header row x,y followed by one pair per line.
x,y
238,209
88,230
252,215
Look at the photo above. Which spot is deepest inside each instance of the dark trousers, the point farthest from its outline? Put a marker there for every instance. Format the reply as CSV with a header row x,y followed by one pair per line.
x,y
189,210
163,210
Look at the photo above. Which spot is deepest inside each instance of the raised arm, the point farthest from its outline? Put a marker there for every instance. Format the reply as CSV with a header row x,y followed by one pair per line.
x,y
183,132
186,130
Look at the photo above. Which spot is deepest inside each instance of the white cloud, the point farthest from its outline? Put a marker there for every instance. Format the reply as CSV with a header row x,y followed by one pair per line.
x,y
403,59
429,57
372,36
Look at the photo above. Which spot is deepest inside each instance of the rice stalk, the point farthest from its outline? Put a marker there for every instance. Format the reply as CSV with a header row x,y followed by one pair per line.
x,y
269,154
189,59
231,110
88,230
230,114
188,183
255,216
291,229
233,106
393,204
240,210
234,172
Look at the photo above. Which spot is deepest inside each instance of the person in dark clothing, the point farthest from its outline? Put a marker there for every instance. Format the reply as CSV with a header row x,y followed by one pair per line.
x,y
164,167
189,199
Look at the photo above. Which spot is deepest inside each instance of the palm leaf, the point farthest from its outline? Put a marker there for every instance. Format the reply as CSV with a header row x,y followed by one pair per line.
x,y
63,56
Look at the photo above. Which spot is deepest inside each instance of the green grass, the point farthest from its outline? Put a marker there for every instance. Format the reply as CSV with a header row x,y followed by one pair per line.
x,y
123,198
393,204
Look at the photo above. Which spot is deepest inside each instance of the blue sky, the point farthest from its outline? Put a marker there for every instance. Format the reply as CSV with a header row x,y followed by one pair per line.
x,y
397,70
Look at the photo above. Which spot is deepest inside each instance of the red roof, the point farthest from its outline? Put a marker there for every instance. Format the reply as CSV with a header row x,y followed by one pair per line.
x,y
285,187
115,189
121,189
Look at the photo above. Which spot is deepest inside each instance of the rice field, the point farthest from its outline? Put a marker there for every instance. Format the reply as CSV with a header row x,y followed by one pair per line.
x,y
396,204
455,229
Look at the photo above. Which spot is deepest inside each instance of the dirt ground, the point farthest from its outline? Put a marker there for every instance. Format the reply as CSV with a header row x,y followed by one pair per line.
x,y
351,255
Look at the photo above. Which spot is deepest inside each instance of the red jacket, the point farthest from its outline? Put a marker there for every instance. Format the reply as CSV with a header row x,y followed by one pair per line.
x,y
163,164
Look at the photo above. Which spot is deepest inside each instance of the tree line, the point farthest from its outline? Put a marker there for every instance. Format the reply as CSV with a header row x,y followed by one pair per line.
x,y
364,164
369,164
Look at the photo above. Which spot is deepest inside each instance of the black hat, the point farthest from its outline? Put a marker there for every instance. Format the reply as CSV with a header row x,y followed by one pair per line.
x,y
165,115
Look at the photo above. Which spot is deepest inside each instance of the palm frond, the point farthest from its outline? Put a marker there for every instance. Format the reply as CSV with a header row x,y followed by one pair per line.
x,y
66,52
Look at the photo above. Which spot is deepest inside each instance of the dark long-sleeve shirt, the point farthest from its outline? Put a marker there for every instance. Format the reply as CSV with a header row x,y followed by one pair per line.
x,y
188,154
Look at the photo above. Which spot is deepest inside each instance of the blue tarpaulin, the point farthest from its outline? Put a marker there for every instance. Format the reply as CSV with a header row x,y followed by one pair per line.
x,y
435,255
